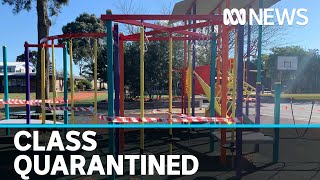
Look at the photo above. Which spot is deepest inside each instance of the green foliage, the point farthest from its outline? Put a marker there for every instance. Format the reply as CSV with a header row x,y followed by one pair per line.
x,y
54,6
305,79
156,66
101,66
32,56
83,82
83,54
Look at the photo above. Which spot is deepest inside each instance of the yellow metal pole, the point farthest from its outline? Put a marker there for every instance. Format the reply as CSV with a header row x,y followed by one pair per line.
x,y
95,80
43,85
234,84
189,80
71,81
141,87
170,91
53,79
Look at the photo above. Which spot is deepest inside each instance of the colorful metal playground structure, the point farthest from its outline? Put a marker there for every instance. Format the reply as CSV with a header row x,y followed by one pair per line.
x,y
228,81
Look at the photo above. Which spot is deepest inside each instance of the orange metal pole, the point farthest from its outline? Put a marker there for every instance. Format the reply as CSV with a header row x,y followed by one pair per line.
x,y
224,87
121,63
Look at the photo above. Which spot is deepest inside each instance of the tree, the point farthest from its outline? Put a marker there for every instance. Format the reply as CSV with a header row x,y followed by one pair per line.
x,y
302,80
33,58
101,66
83,47
156,67
45,9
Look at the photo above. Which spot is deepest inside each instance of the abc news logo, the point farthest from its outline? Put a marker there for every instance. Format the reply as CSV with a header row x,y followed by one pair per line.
x,y
265,17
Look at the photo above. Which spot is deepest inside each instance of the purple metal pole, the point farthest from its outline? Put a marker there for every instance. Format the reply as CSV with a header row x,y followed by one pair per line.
x,y
239,99
116,80
259,66
27,59
248,64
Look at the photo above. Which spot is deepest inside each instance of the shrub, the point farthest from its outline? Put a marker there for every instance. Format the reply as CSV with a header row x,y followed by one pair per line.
x,y
83,82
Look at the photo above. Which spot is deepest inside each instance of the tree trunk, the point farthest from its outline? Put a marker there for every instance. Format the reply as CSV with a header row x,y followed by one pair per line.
x,y
44,24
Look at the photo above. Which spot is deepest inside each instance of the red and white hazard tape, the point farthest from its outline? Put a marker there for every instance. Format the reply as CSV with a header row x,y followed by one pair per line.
x,y
87,109
30,102
169,120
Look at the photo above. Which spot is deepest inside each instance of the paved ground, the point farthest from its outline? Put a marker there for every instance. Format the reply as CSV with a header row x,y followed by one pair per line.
x,y
301,112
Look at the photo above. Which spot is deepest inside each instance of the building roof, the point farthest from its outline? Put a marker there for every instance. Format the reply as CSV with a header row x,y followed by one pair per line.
x,y
13,63
18,74
204,7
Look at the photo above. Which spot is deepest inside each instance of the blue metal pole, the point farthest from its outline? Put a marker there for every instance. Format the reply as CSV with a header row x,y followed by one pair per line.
x,y
239,99
116,80
276,121
110,84
27,60
212,82
65,85
6,85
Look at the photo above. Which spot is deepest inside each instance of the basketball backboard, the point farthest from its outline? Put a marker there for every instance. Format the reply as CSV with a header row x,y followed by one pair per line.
x,y
287,63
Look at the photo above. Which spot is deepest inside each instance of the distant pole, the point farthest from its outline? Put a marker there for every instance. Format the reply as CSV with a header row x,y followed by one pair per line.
x,y
239,99
110,85
116,80
26,62
276,121
6,85
212,82
65,85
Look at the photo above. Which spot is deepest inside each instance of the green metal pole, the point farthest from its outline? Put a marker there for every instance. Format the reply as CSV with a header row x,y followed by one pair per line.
x,y
276,121
212,83
6,86
110,85
65,86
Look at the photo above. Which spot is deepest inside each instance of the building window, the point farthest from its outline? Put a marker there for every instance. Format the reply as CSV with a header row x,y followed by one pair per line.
x,y
10,69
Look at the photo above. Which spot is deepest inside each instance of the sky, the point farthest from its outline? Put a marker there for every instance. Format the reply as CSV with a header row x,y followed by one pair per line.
x,y
17,28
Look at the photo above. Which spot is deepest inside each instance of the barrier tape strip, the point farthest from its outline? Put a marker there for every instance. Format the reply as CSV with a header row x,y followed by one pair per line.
x,y
31,102
151,120
169,120
87,109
